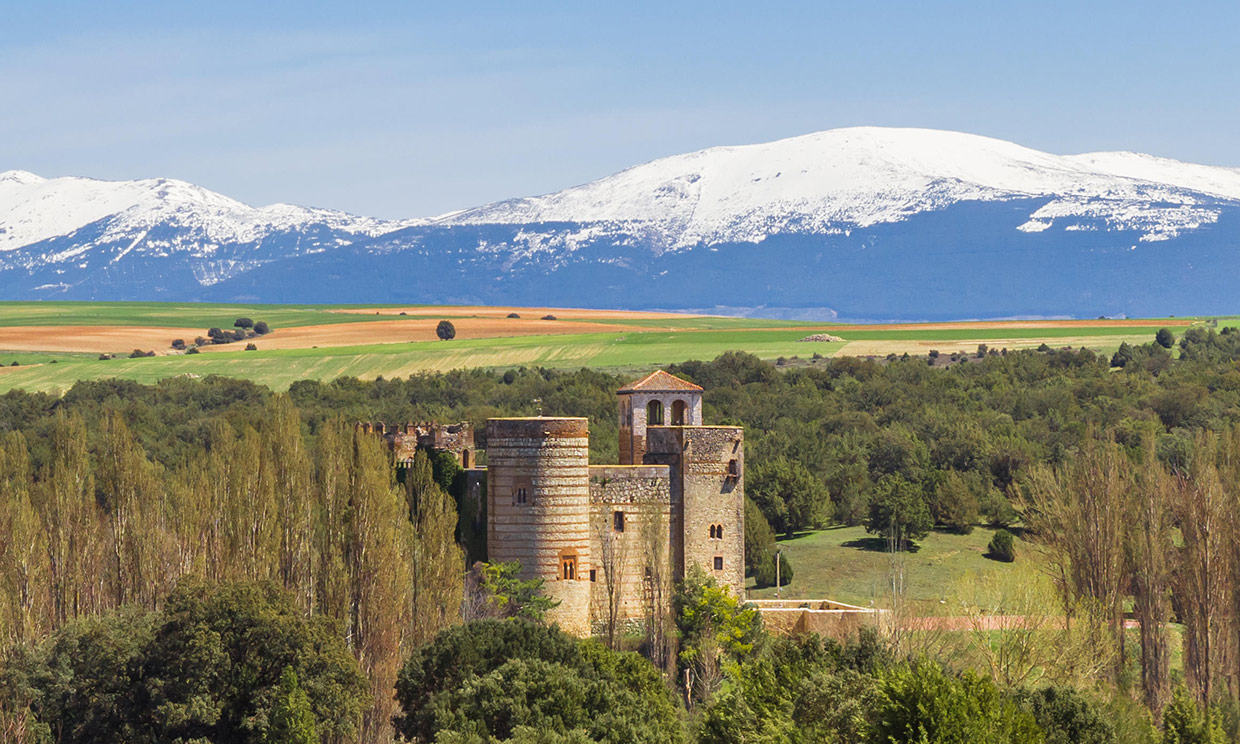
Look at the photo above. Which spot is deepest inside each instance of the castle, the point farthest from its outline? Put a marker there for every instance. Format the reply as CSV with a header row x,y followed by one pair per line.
x,y
608,540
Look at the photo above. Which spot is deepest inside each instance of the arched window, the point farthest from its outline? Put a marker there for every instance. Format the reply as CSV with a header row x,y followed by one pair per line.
x,y
678,413
716,532
654,413
568,567
522,495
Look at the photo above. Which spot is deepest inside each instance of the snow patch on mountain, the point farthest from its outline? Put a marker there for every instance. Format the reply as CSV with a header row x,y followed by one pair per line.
x,y
830,181
33,209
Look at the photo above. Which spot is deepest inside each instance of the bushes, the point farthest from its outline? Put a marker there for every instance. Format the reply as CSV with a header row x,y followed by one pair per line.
x,y
1068,717
490,678
1002,547
445,330
214,664
923,704
764,573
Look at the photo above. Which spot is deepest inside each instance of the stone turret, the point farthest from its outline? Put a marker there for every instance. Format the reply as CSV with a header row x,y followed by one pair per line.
x,y
658,399
538,508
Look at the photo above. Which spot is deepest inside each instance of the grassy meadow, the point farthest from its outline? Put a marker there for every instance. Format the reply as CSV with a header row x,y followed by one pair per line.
x,y
850,565
653,341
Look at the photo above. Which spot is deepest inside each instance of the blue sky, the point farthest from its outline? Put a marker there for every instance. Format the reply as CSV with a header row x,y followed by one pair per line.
x,y
403,110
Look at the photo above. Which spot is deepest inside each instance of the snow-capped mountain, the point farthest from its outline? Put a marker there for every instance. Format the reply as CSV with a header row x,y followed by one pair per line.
x,y
90,224
861,222
829,182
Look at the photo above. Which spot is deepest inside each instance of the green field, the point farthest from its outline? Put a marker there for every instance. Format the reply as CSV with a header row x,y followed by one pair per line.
x,y
849,565
653,342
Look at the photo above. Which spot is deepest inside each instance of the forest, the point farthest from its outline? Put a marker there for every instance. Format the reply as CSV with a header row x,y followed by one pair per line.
x,y
206,560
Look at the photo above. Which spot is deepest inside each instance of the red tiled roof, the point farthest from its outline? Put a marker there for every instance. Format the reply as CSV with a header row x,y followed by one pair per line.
x,y
659,381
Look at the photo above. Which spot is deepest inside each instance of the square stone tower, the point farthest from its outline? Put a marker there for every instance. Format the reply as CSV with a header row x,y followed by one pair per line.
x,y
707,498
658,399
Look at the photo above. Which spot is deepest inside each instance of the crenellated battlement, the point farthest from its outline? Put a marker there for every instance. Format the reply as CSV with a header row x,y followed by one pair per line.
x,y
405,439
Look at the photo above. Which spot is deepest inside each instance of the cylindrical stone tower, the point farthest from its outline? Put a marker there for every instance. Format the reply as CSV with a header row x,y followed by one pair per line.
x,y
538,508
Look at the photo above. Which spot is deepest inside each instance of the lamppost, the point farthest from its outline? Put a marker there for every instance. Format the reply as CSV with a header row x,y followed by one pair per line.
x,y
778,554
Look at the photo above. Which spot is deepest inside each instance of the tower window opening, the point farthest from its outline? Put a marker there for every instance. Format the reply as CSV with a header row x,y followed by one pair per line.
x,y
678,413
568,567
718,563
734,468
617,521
593,576
716,532
523,495
654,413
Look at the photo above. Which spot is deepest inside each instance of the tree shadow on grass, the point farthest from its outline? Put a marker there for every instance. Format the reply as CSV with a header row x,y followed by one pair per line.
x,y
875,545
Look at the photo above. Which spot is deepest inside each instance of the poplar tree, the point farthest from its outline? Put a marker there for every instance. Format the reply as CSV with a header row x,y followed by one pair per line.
x,y
438,563
288,468
131,497
65,501
377,555
24,601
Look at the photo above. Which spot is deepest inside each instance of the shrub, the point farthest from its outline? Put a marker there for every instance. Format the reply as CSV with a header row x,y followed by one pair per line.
x,y
261,328
251,347
1068,717
445,330
192,350
1185,723
178,344
514,315
549,317
104,357
137,354
922,704
1002,547
196,671
1164,338
981,350
490,679
243,323
764,574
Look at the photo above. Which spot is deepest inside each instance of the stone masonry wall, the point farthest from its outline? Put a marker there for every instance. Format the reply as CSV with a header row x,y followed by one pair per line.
x,y
708,490
538,508
638,555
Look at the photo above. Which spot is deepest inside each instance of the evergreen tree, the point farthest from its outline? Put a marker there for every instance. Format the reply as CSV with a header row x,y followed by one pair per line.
x,y
291,720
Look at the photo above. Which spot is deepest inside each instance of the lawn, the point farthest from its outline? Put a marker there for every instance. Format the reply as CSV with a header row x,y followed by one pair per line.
x,y
849,565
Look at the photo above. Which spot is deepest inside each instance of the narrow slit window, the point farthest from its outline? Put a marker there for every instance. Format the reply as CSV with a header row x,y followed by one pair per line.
x,y
523,495
617,521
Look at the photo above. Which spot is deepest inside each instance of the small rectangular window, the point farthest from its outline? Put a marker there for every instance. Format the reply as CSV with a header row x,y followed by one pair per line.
x,y
617,521
718,563
592,576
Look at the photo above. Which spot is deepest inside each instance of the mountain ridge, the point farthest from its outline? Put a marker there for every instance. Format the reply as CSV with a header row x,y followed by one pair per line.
x,y
841,221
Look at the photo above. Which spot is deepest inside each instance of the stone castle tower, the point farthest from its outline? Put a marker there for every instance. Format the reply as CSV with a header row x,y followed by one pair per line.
x,y
609,540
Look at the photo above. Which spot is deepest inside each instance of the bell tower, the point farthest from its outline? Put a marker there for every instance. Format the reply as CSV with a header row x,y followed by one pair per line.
x,y
658,399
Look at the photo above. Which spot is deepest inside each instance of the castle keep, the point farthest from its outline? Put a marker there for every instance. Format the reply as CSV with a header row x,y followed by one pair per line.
x,y
610,539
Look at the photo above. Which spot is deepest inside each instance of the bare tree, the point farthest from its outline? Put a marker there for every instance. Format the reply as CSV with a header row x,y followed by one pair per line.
x,y
1077,516
1151,552
657,588
613,559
